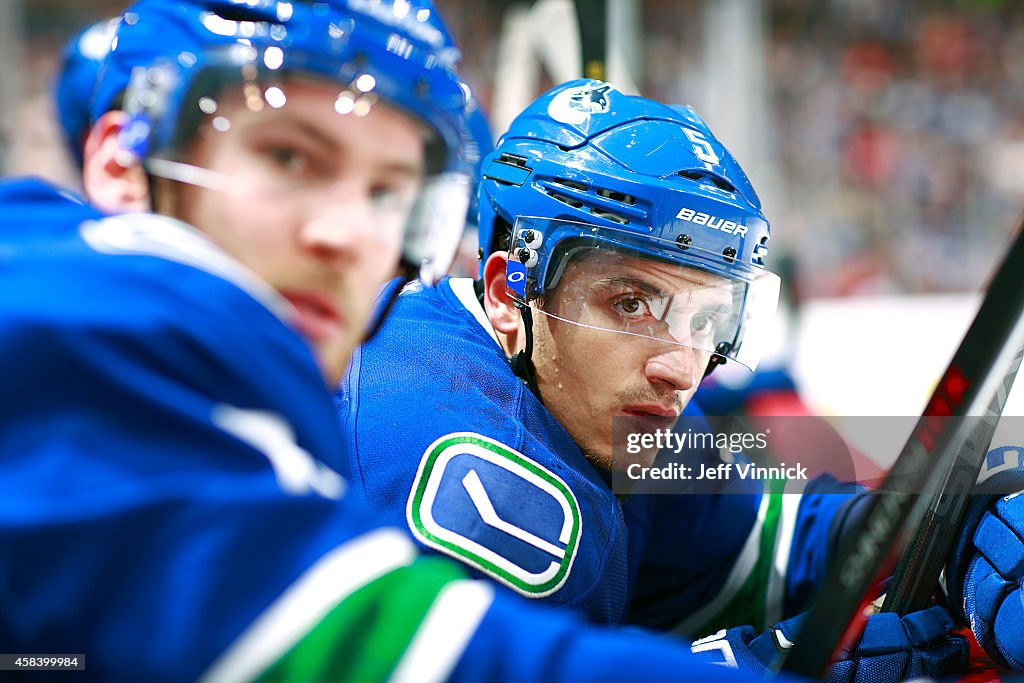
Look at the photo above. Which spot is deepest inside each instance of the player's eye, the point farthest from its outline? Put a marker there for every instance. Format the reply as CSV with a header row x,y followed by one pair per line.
x,y
631,307
706,323
702,323
290,159
393,197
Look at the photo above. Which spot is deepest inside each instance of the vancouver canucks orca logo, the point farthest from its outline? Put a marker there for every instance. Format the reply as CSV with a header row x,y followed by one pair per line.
x,y
576,105
591,100
490,506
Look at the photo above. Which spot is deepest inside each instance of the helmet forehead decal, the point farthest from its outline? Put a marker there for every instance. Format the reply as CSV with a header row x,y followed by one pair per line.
x,y
575,105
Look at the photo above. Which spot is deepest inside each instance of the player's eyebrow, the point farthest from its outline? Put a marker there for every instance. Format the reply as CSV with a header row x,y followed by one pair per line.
x,y
308,130
402,170
393,168
632,281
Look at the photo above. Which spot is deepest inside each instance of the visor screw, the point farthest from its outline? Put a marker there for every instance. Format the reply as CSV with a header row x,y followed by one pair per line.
x,y
532,238
729,253
528,257
684,241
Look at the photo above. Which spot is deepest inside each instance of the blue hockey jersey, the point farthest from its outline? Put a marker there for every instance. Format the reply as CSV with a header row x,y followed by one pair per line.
x,y
166,509
443,437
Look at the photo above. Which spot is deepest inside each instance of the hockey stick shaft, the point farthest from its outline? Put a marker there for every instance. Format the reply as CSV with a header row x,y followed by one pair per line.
x,y
917,573
592,18
979,366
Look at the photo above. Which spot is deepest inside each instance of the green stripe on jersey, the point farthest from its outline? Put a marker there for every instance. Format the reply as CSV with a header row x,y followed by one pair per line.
x,y
748,604
364,637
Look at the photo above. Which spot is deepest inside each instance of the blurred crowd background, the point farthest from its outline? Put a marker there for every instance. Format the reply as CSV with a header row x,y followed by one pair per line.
x,y
896,140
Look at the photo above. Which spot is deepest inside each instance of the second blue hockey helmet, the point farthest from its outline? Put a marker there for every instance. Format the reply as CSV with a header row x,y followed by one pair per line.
x,y
171,60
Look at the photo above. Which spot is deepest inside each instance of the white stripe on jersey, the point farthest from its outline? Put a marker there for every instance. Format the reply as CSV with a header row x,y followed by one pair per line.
x,y
445,631
737,576
776,592
306,602
462,288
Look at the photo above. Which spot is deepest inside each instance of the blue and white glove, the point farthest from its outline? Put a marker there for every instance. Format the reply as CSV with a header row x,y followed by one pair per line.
x,y
892,648
990,594
985,572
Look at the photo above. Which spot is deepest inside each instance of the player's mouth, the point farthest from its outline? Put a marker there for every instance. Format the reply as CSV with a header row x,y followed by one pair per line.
x,y
318,318
651,410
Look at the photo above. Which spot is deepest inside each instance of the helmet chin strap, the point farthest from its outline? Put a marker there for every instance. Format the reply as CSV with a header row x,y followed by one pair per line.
x,y
386,300
522,362
714,362
719,357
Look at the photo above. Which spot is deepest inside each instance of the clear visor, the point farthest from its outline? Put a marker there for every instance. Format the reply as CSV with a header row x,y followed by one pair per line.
x,y
641,287
260,125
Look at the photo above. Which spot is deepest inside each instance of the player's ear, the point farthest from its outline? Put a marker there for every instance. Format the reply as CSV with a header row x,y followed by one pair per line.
x,y
113,181
502,313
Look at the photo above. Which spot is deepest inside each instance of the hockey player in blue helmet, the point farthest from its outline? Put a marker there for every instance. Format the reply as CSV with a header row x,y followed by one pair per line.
x,y
623,254
167,461
611,191
254,76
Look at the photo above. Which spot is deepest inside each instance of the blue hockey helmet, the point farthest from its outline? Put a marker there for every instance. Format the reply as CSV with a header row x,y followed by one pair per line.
x,y
481,142
589,176
76,81
172,59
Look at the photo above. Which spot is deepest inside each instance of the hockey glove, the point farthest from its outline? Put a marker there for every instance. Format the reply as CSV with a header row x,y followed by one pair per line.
x,y
991,593
892,648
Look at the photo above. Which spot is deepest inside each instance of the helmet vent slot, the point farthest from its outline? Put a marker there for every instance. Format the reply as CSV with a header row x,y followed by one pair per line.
x,y
616,196
609,216
715,180
760,251
514,160
237,13
565,182
574,203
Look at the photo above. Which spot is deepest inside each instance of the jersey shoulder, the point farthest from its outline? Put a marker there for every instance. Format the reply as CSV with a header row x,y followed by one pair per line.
x,y
144,301
490,477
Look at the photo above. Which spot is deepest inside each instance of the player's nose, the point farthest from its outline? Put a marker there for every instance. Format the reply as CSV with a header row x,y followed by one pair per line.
x,y
337,227
674,367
